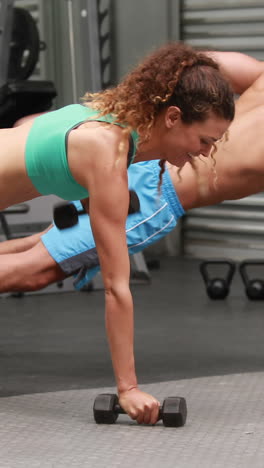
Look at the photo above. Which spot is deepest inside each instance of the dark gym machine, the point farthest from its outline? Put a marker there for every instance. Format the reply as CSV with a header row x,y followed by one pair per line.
x,y
20,46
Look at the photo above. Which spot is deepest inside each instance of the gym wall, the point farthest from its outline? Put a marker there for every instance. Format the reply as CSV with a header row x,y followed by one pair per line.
x,y
232,229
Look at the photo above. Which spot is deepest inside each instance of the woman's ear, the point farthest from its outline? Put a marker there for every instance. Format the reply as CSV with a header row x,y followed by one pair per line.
x,y
172,116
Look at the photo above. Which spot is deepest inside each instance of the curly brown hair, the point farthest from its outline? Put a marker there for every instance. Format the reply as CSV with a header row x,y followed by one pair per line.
x,y
175,74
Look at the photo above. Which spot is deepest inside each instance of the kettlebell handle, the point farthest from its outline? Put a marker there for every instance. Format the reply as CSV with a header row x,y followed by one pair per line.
x,y
229,263
243,268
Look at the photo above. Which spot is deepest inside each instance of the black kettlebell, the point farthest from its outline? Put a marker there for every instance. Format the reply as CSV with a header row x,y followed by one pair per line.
x,y
217,288
254,286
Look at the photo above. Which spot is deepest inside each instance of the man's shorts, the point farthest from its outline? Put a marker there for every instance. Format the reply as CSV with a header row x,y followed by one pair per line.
x,y
74,248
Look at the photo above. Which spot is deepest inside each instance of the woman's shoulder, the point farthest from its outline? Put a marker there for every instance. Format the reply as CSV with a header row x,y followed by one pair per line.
x,y
95,143
99,135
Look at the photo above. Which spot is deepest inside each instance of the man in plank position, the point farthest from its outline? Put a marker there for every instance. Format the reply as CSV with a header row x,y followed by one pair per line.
x,y
34,262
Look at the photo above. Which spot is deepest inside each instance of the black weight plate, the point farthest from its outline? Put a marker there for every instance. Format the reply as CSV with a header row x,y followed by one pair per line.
x,y
24,47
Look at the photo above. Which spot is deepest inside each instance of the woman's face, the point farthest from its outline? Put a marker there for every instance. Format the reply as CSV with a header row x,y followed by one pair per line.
x,y
181,142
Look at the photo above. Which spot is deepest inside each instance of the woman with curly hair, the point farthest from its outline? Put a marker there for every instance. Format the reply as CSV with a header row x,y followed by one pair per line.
x,y
174,106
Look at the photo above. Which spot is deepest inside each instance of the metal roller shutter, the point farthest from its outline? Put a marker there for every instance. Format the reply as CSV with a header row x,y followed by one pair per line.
x,y
232,228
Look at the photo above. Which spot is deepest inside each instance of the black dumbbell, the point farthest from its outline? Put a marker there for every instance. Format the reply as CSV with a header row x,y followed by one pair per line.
x,y
217,288
255,286
106,410
65,215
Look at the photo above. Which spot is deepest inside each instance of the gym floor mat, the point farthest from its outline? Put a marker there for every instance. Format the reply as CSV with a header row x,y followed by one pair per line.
x,y
224,429
54,360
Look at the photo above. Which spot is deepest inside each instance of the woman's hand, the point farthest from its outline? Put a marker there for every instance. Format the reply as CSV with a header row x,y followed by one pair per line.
x,y
140,406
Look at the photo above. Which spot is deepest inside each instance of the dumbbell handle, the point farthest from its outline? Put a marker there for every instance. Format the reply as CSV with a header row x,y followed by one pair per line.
x,y
81,212
119,410
166,414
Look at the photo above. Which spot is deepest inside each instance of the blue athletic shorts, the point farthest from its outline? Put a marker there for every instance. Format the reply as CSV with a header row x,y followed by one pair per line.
x,y
74,248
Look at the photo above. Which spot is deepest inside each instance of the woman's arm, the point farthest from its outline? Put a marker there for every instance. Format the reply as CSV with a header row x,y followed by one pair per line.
x,y
108,209
108,205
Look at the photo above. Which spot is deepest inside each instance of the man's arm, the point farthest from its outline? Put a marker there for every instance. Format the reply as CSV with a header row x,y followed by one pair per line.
x,y
241,69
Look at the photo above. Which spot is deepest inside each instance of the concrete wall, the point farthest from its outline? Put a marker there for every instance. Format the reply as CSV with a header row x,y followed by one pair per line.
x,y
139,27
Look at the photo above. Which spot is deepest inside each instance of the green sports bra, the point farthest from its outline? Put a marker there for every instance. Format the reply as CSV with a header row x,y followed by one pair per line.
x,y
46,150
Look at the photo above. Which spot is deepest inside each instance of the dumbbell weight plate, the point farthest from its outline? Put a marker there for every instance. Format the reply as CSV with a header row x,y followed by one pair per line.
x,y
174,412
104,408
24,47
65,215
